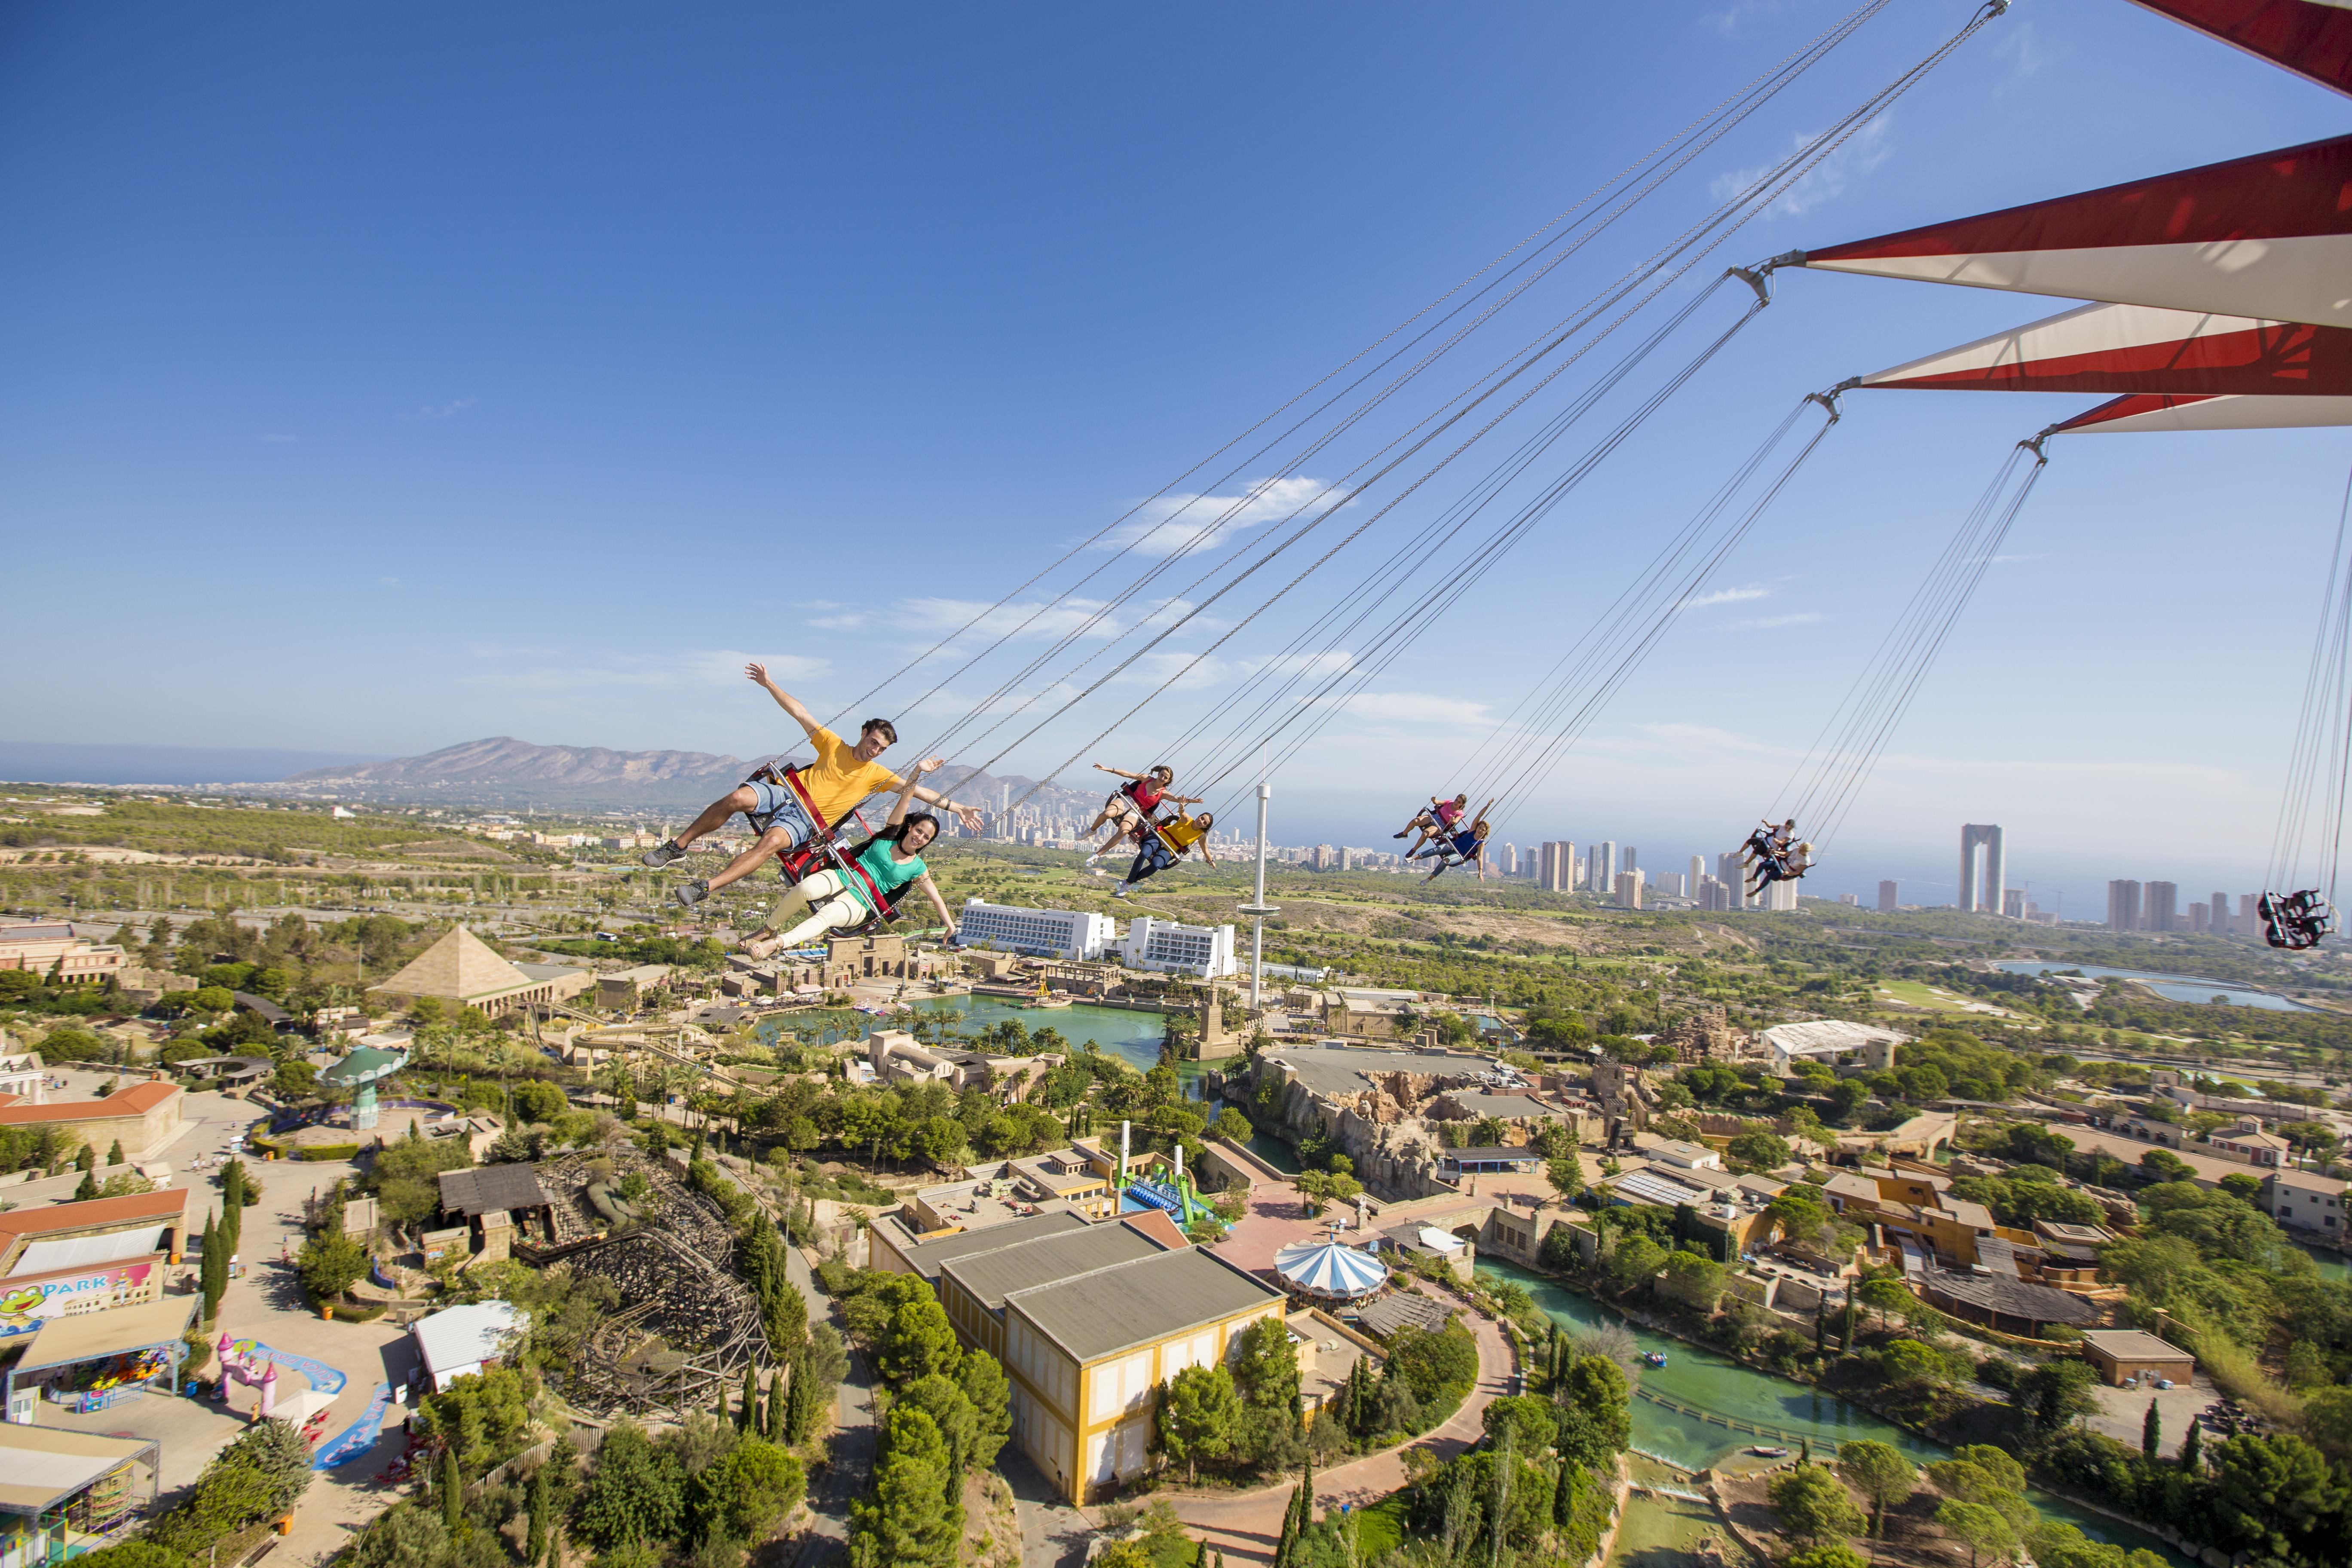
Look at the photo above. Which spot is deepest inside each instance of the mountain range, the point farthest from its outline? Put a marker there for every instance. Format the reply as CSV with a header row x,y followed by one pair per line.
x,y
502,771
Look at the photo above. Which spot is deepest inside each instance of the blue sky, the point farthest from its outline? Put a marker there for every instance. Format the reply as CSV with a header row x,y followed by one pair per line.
x,y
378,381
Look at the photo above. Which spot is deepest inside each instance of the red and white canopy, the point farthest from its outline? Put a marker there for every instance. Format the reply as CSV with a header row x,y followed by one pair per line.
x,y
2128,414
2312,38
2268,237
2141,349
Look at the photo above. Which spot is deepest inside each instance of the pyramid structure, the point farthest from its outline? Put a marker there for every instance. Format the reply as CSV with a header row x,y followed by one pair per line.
x,y
460,967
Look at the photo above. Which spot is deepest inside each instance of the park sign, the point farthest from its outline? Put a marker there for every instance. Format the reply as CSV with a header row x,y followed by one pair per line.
x,y
27,1304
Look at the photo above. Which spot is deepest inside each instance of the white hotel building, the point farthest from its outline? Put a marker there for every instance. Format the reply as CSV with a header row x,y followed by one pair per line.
x,y
1164,945
1035,933
1203,950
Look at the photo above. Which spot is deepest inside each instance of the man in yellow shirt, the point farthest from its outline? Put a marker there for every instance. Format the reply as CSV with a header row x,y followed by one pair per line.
x,y
842,776
1165,843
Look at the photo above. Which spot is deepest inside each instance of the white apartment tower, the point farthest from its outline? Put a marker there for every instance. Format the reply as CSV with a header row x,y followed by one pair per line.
x,y
1982,893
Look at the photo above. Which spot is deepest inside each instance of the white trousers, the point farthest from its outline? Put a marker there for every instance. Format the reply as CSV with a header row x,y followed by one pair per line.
x,y
834,908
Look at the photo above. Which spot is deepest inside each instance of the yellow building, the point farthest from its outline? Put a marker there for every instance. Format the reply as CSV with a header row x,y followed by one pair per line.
x,y
1083,1355
1088,1319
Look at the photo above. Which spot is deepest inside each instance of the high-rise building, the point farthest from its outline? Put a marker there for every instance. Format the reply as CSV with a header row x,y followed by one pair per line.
x,y
1556,867
1322,859
1672,882
1733,874
2159,901
2122,906
1780,895
1602,877
2198,914
1625,861
1697,874
2012,902
2217,919
1982,892
1510,860
1849,900
2250,924
1886,905
1629,889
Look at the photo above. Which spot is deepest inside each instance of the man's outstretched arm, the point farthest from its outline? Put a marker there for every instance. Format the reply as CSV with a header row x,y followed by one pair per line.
x,y
757,673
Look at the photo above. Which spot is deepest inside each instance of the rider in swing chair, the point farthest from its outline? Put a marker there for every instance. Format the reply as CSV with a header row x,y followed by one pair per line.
x,y
878,873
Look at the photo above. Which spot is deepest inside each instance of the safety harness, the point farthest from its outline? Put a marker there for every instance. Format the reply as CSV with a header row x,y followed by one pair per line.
x,y
823,852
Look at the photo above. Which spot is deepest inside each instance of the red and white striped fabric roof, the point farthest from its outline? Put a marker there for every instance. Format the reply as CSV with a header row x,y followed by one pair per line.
x,y
2141,349
2144,411
2312,38
2268,237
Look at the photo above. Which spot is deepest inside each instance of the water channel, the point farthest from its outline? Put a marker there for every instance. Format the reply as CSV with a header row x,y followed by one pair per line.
x,y
2171,987
1131,1036
1783,1412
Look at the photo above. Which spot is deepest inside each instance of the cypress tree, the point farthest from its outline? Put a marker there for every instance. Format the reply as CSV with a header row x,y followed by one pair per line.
x,y
453,1494
800,1404
84,1159
86,1189
720,1385
1818,1319
114,1155
2192,1444
213,1273
535,1547
2151,1431
1845,1329
749,1416
1563,1495
773,1428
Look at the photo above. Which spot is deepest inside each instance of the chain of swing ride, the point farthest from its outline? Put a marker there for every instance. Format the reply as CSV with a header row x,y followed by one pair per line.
x,y
1643,612
1599,210
1689,250
1531,738
2298,901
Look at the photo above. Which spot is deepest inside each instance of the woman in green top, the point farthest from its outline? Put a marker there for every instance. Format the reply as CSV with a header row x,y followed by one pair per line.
x,y
831,900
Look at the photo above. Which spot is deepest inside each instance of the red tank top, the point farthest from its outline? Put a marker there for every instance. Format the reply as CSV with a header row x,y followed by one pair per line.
x,y
1145,793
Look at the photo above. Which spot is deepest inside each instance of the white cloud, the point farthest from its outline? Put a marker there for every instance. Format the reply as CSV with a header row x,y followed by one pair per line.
x,y
1724,596
1166,525
2012,560
2027,55
544,669
1833,176
1417,708
1766,623
450,410
1733,20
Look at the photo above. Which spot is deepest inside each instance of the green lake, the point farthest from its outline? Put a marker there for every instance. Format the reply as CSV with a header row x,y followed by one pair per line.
x,y
1696,1380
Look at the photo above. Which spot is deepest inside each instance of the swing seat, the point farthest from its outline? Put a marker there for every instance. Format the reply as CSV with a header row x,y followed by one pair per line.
x,y
2295,921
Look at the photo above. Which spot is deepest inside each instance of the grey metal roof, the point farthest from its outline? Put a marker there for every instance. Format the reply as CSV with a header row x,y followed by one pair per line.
x,y
1492,1154
929,1257
990,1277
1130,1304
2010,1298
491,1188
1404,1309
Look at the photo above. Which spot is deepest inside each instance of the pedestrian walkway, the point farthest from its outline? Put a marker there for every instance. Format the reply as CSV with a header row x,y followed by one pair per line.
x,y
1245,1526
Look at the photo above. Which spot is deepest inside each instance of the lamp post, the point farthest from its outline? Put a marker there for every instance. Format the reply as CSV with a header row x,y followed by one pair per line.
x,y
1257,909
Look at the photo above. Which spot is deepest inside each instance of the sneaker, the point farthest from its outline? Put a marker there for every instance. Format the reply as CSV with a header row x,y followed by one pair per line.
x,y
1400,835
1119,891
692,893
662,854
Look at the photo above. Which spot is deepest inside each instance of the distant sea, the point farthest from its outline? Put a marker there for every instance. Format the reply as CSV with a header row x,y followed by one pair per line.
x,y
66,762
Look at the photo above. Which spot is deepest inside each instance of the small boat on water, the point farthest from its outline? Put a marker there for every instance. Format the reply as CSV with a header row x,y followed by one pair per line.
x,y
1655,1357
1768,1451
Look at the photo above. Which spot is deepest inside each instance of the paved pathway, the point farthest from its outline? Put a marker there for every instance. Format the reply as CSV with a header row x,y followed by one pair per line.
x,y
1245,1525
